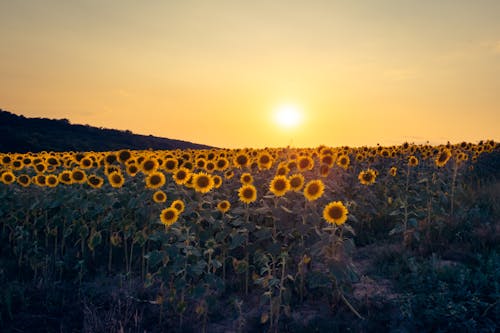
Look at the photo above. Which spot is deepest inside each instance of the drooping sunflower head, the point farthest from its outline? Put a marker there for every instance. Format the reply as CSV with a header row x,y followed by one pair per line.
x,y
247,194
155,180
223,206
296,182
367,177
335,213
116,179
412,161
443,157
95,181
159,196
324,170
246,178
178,205
279,185
203,182
169,216
393,171
314,189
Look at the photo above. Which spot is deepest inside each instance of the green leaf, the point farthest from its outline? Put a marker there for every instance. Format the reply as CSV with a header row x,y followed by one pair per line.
x,y
236,240
154,257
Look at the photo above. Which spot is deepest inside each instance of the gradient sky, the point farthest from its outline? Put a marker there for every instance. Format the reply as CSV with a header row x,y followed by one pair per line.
x,y
212,72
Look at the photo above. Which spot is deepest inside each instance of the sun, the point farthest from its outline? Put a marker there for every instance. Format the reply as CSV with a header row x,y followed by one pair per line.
x,y
288,115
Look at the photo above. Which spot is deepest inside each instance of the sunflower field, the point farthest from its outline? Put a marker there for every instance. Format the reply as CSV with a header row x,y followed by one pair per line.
x,y
268,240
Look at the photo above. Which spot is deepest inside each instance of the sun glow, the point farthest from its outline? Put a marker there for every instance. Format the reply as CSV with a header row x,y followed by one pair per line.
x,y
288,115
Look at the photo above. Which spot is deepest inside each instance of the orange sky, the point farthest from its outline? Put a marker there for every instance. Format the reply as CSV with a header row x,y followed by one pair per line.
x,y
213,72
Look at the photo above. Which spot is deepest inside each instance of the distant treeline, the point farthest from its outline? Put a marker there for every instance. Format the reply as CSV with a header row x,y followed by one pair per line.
x,y
21,134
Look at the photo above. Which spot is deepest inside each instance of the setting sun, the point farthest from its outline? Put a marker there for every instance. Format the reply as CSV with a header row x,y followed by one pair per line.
x,y
288,115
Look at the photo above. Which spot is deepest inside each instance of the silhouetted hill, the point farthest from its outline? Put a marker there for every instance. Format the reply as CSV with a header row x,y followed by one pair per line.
x,y
21,134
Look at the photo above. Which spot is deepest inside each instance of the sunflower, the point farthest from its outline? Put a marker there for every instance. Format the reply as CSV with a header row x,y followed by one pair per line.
x,y
149,165
51,180
335,213
328,160
412,161
132,169
159,196
393,171
229,174
23,180
40,167
155,180
65,177
17,165
210,166
110,158
221,164
314,189
203,182
367,177
265,161
217,181
178,205
279,185
124,155
296,182
247,194
78,176
181,175
86,163
343,161
116,179
168,216
282,169
95,181
246,178
223,206
170,164
8,177
200,163
241,160
443,157
39,180
305,163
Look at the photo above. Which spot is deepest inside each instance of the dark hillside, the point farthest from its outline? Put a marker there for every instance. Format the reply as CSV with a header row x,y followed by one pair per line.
x,y
21,134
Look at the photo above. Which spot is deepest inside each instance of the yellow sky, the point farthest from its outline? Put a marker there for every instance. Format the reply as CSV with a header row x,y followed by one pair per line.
x,y
213,72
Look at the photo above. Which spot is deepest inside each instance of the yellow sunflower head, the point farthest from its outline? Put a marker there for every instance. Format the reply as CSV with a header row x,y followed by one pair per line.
x,y
155,180
169,216
264,160
24,180
443,157
314,190
305,163
149,165
65,177
124,155
132,169
335,213
412,161
279,185
203,182
367,177
393,171
343,161
8,177
246,178
247,194
170,164
95,181
159,196
217,181
223,206
116,179
78,176
179,205
241,160
221,164
296,182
